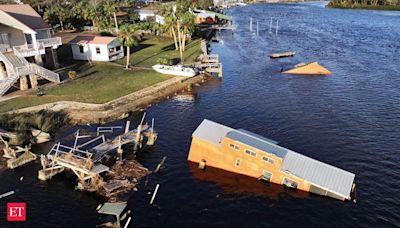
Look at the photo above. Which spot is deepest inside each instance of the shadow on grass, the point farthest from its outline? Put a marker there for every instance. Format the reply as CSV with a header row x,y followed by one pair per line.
x,y
170,47
140,47
88,74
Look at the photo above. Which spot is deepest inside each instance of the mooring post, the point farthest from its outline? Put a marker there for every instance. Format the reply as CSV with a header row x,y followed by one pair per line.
x,y
251,24
119,149
127,126
270,26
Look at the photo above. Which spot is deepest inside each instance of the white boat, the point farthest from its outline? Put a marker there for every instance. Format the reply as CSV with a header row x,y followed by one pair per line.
x,y
175,70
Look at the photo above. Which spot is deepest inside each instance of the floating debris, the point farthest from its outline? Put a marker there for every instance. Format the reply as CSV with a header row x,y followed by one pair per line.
x,y
309,69
115,209
92,165
282,55
7,194
154,194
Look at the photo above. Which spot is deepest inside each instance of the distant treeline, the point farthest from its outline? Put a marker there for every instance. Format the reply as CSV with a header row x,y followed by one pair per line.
x,y
366,4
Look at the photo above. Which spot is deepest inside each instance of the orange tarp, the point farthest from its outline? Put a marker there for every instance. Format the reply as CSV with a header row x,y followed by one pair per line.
x,y
311,68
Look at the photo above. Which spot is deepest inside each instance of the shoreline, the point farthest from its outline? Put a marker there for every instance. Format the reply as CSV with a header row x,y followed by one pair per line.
x,y
83,113
365,7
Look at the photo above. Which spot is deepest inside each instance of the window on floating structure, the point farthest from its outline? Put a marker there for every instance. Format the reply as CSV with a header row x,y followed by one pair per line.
x,y
267,175
251,153
269,160
118,48
81,49
290,183
237,162
97,50
233,146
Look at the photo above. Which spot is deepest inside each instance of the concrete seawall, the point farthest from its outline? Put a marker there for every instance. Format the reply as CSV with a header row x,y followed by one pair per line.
x,y
96,113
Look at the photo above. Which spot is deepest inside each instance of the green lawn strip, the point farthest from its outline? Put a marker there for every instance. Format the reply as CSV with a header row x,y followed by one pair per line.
x,y
150,50
100,83
103,82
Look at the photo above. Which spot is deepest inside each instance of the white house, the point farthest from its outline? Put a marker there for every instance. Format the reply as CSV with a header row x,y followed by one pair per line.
x,y
25,46
96,48
145,14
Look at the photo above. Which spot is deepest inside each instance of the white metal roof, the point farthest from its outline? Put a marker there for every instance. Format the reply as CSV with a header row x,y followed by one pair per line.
x,y
211,132
318,173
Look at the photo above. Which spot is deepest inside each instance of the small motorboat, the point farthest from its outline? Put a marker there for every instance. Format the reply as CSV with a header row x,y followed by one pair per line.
x,y
178,70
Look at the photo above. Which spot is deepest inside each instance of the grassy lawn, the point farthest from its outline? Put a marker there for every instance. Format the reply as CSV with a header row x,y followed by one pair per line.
x,y
103,82
151,49
98,83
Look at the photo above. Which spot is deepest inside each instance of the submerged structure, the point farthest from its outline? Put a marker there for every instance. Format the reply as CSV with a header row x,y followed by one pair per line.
x,y
243,152
309,69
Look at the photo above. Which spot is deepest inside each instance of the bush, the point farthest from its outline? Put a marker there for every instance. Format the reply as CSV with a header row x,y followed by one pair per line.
x,y
106,33
22,123
72,74
164,61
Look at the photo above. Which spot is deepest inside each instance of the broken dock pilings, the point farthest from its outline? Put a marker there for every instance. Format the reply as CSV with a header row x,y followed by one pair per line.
x,y
86,160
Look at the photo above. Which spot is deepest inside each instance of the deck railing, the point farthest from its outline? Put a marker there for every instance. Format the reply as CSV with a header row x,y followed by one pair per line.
x,y
50,42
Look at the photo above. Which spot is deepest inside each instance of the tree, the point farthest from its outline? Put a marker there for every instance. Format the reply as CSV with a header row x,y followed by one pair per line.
x,y
169,22
128,37
187,22
58,11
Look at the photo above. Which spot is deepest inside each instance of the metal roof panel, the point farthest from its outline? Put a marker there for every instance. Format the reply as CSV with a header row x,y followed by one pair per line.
x,y
318,173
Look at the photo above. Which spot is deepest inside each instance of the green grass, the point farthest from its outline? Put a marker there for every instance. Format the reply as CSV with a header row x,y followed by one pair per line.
x,y
153,48
103,82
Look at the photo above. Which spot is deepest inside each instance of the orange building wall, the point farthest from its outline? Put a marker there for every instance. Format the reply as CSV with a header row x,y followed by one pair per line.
x,y
224,157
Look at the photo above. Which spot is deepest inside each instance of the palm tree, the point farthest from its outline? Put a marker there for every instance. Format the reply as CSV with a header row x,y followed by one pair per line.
x,y
127,37
187,24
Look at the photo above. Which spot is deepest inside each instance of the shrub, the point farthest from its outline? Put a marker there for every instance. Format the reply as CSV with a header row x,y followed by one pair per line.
x,y
164,61
72,74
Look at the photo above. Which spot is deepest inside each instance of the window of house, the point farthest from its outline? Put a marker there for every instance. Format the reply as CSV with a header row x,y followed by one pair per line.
x,y
267,175
237,162
118,48
269,160
97,50
251,153
81,49
233,146
290,183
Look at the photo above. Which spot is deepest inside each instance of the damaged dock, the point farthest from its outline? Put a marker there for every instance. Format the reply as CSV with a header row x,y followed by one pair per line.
x,y
92,165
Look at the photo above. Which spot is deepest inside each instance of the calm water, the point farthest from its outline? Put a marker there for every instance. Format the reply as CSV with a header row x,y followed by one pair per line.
x,y
350,119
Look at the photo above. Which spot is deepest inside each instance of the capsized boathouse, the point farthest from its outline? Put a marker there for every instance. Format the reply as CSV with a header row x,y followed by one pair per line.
x,y
246,153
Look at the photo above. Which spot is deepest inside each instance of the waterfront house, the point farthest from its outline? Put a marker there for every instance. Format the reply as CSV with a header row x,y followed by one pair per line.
x,y
249,154
96,48
205,18
145,15
26,44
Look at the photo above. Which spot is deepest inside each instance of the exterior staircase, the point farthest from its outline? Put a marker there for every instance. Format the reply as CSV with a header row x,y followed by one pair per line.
x,y
17,66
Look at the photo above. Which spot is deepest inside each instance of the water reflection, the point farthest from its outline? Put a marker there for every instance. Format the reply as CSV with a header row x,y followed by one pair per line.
x,y
240,184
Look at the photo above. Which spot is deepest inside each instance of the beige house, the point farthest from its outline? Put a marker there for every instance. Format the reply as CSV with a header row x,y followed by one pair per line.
x,y
26,45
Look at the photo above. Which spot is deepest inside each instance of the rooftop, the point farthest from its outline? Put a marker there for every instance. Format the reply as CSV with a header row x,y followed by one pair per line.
x,y
92,40
25,14
317,173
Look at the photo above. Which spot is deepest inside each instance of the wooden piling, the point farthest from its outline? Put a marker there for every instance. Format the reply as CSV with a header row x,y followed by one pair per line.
x,y
154,194
160,164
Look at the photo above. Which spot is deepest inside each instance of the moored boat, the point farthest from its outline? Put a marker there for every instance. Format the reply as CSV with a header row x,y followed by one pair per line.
x,y
178,70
